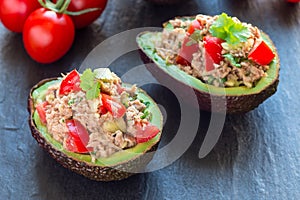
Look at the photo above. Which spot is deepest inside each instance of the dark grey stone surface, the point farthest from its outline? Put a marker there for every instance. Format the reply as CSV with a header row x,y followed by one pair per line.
x,y
257,156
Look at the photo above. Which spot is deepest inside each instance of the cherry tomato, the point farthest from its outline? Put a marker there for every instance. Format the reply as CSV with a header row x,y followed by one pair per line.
x,y
70,83
213,50
78,137
185,55
261,53
13,13
146,133
293,1
84,20
195,25
117,109
41,110
47,35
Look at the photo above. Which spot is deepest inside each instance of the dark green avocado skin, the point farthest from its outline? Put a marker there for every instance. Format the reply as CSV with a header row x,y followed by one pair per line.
x,y
93,172
231,105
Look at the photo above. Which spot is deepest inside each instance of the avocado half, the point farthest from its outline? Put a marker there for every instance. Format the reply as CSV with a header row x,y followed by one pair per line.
x,y
231,100
116,167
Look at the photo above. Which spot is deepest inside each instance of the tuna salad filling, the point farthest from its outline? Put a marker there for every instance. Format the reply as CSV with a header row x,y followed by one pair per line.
x,y
93,113
219,50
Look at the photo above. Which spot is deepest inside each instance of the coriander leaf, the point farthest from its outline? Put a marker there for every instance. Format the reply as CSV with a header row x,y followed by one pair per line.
x,y
169,26
233,61
87,79
233,32
194,38
93,92
89,84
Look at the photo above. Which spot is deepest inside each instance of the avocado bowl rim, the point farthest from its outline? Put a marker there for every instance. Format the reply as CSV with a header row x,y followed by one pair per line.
x,y
86,167
210,89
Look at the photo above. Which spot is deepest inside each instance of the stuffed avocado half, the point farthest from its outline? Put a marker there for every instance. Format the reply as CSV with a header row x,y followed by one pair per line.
x,y
217,56
95,125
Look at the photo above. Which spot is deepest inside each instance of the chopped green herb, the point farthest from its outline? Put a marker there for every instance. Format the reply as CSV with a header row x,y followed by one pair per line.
x,y
89,84
147,104
147,114
229,30
71,102
233,60
94,91
169,26
223,80
194,38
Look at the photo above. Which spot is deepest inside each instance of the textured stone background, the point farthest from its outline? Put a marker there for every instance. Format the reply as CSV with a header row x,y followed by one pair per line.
x,y
257,156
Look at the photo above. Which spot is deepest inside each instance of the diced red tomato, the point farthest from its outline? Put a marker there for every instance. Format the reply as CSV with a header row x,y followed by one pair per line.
x,y
209,62
195,25
213,47
102,110
213,51
117,109
185,55
78,137
41,110
120,89
70,83
261,53
187,50
145,133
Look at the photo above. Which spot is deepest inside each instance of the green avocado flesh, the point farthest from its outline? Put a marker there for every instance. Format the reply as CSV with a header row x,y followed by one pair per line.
x,y
120,157
146,42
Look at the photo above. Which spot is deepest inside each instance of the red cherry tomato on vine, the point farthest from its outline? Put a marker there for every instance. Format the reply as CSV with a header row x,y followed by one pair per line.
x,y
293,1
47,35
84,20
13,13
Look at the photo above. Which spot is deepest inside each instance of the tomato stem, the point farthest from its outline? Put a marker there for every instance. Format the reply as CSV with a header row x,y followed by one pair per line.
x,y
61,6
64,6
43,4
50,3
81,12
